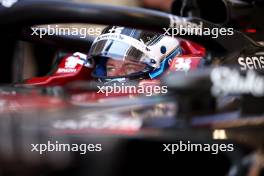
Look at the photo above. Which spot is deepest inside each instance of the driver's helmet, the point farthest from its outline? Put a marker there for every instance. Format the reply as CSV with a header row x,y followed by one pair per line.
x,y
123,54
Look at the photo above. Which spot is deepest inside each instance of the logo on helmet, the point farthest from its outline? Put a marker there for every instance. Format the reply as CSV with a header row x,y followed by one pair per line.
x,y
116,30
183,64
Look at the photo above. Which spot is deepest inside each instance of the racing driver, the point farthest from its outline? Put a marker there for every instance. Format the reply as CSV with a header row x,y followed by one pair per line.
x,y
130,54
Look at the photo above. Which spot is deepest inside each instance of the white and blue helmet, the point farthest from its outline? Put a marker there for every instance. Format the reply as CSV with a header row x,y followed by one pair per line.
x,y
126,44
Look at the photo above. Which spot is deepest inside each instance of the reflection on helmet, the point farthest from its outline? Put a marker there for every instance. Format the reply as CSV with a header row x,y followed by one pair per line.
x,y
124,53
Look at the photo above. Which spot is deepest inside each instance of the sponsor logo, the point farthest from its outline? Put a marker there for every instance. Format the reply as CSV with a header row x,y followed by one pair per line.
x,y
176,21
116,30
8,3
70,64
229,81
73,61
66,70
107,122
140,45
250,63
183,64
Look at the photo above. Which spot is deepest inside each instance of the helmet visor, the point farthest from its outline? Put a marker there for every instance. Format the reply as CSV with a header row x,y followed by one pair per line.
x,y
122,59
122,47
